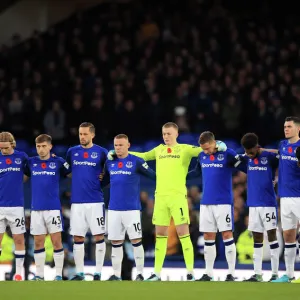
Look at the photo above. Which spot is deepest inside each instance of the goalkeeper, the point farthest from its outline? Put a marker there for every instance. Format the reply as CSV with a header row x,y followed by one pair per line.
x,y
172,163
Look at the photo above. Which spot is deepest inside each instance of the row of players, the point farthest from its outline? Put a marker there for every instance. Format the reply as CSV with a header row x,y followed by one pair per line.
x,y
88,161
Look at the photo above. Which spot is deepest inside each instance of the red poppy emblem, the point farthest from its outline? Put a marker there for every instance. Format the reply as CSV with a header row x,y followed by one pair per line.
x,y
120,165
211,157
256,161
44,165
169,150
85,155
8,161
290,149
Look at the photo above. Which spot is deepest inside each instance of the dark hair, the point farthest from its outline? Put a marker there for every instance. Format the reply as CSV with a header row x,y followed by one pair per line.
x,y
43,138
170,125
88,125
121,136
293,119
206,137
249,140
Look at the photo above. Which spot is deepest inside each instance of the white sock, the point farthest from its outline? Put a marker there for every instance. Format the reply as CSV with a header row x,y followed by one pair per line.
x,y
210,254
20,256
78,251
289,257
100,254
230,253
39,258
138,252
274,250
59,257
257,258
117,258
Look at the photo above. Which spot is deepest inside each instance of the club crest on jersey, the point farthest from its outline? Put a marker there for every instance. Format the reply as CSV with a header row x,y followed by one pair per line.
x,y
264,160
18,161
52,165
129,164
94,155
220,157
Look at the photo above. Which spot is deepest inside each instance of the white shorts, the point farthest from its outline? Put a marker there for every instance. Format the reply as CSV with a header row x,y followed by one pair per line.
x,y
14,218
120,222
85,216
290,212
262,218
216,217
45,221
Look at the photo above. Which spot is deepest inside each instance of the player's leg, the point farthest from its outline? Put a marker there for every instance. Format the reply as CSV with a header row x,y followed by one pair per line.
x,y
38,229
161,219
180,213
256,226
269,216
116,234
132,223
289,224
96,219
224,218
3,225
53,220
78,228
39,256
209,227
16,221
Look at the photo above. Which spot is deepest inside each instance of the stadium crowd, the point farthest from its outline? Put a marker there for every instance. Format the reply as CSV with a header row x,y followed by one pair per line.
x,y
131,67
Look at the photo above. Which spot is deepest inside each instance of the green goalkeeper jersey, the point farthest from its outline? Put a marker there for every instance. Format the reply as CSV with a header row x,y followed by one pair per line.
x,y
172,164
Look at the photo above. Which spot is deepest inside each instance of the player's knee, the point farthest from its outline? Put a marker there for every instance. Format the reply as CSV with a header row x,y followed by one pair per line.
x,y
209,236
117,242
289,236
182,229
98,238
19,239
161,230
227,235
57,244
136,241
78,239
272,237
258,237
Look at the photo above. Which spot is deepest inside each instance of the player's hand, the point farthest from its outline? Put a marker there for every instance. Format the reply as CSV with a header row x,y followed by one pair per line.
x,y
298,156
111,155
101,176
221,146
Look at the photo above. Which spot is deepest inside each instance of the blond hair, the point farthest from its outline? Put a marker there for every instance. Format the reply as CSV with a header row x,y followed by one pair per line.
x,y
7,137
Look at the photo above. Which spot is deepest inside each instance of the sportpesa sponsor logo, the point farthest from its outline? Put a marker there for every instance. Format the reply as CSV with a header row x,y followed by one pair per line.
x,y
84,163
10,170
258,168
34,173
120,172
169,156
212,165
286,157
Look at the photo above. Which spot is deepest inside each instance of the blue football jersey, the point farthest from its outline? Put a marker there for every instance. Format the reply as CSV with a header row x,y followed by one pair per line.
x,y
45,177
260,176
12,168
86,166
217,170
124,176
289,172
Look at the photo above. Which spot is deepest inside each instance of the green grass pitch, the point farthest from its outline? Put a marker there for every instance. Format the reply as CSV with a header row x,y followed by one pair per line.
x,y
147,290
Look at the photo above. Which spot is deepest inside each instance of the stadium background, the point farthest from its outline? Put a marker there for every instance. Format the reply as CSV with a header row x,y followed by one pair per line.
x,y
129,66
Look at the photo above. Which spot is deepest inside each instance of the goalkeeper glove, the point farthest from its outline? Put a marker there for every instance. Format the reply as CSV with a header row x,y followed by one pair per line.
x,y
221,146
298,156
111,155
